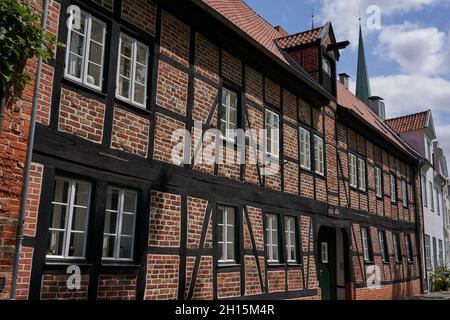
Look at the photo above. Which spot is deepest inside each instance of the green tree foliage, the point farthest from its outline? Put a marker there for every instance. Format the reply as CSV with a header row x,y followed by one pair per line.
x,y
21,38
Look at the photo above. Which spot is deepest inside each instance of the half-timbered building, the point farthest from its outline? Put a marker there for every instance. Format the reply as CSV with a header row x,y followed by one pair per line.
x,y
338,219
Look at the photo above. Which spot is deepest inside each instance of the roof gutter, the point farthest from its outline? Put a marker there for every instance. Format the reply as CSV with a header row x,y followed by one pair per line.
x,y
312,84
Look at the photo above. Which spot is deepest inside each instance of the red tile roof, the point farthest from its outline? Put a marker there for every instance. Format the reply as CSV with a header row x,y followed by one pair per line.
x,y
246,19
349,101
409,122
300,38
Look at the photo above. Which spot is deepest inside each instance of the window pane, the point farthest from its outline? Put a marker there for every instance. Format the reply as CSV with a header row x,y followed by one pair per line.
x,y
76,43
127,224
230,216
55,245
76,248
275,253
230,252
129,202
124,87
108,246
58,220
141,54
112,199
94,75
126,47
125,67
139,94
79,219
220,213
74,68
126,247
140,74
97,31
82,191
220,235
221,252
230,234
110,222
96,53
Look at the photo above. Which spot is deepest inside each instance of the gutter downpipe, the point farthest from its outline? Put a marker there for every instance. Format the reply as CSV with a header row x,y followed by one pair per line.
x,y
423,267
26,176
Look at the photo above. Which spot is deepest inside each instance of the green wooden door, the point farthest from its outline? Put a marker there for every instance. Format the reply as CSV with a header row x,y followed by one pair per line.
x,y
324,280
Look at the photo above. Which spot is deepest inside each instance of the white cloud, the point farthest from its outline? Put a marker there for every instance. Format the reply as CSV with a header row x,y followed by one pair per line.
x,y
344,13
415,49
405,94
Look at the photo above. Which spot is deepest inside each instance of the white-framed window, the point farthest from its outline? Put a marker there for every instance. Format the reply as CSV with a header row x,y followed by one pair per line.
x,y
226,230
319,155
441,253
383,246
132,71
409,252
120,224
272,133
431,195
393,180
438,201
362,174
397,248
405,193
305,148
429,151
379,182
85,52
69,219
290,233
272,238
425,192
228,115
428,252
367,246
353,170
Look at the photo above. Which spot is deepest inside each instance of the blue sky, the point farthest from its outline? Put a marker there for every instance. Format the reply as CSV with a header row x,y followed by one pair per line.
x,y
408,56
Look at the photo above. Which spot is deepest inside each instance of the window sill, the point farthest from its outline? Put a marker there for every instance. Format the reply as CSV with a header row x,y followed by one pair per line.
x,y
228,267
379,198
130,106
119,264
275,265
370,263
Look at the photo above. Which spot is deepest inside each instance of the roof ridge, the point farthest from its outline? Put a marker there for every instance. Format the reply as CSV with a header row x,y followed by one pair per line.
x,y
300,32
408,115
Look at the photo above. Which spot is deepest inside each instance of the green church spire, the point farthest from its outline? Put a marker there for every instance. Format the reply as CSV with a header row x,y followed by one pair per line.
x,y
362,78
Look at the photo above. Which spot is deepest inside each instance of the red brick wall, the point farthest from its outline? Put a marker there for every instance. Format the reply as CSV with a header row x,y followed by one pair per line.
x,y
172,88
396,291
130,132
141,13
81,116
206,58
116,287
228,285
163,142
175,39
165,220
54,287
203,287
162,277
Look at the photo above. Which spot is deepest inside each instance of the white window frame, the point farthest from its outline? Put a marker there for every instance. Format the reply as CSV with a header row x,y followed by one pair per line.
x,y
290,229
425,191
362,180
405,193
224,242
393,183
319,155
119,223
365,234
326,66
305,148
353,170
379,182
383,246
86,52
430,185
132,78
67,231
273,143
438,201
428,258
441,252
230,131
271,245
